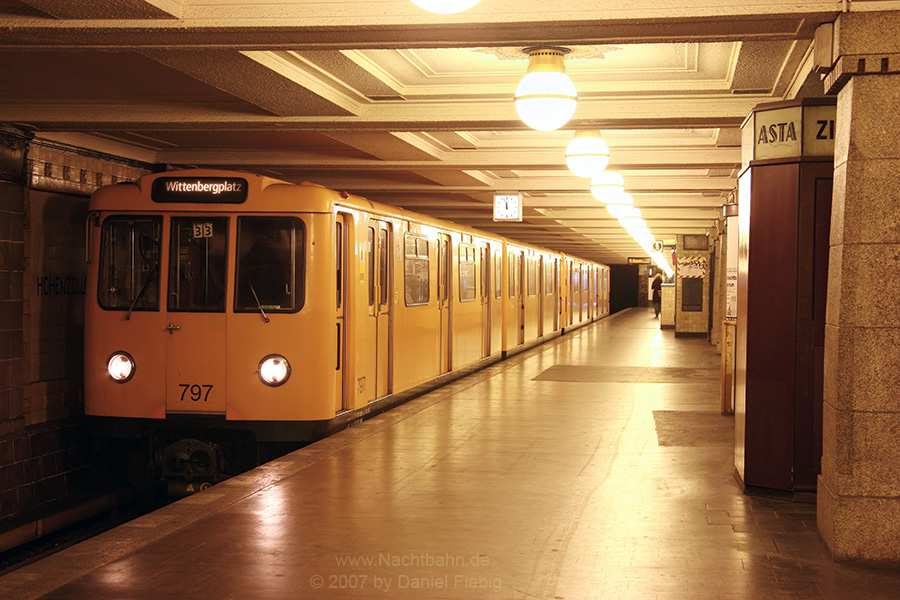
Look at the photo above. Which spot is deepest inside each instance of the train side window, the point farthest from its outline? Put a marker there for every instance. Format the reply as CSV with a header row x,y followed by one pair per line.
x,y
129,263
339,261
271,264
370,264
416,270
547,267
498,274
384,253
511,272
485,271
197,271
532,276
467,277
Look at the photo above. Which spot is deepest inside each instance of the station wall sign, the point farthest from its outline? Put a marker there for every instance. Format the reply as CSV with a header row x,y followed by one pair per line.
x,y
692,266
780,129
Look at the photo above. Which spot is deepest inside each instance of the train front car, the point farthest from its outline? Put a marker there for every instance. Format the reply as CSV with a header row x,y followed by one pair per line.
x,y
201,336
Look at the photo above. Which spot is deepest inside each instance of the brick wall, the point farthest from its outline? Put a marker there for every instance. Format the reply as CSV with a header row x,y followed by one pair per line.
x,y
54,305
47,458
12,270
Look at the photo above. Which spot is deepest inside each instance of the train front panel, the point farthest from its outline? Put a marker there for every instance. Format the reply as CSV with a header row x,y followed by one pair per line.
x,y
198,307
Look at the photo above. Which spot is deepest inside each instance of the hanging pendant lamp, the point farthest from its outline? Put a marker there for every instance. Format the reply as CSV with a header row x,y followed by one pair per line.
x,y
445,7
587,154
546,98
607,185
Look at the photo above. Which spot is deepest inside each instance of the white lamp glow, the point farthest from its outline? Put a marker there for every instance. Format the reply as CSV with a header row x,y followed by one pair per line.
x,y
620,211
607,185
587,154
620,198
546,98
445,7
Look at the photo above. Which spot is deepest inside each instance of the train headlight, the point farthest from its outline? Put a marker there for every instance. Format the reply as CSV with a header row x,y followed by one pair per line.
x,y
274,370
120,367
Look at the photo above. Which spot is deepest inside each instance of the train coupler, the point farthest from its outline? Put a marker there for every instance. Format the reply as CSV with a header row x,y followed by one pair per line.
x,y
190,466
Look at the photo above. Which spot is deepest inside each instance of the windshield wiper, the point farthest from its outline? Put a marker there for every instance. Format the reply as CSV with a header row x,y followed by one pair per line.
x,y
142,290
258,303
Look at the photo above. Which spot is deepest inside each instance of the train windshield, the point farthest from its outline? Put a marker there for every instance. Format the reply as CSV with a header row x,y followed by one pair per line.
x,y
270,264
197,272
129,263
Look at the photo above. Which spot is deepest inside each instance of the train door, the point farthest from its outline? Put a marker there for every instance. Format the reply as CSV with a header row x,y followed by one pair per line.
x,y
497,302
486,300
444,295
382,309
341,232
195,315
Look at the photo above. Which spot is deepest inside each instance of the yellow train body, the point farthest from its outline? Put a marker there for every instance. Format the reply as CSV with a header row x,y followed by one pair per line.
x,y
381,303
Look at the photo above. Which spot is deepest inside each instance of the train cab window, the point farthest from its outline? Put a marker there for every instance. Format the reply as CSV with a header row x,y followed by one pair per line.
x,y
197,272
270,269
129,263
415,267
467,280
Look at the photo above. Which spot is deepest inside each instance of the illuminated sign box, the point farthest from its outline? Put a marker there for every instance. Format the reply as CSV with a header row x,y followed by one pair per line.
x,y
784,129
203,190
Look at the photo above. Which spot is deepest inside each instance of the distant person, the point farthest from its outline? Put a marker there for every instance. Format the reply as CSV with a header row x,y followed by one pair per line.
x,y
656,289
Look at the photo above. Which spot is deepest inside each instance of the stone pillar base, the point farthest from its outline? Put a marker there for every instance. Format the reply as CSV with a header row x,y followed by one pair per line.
x,y
859,528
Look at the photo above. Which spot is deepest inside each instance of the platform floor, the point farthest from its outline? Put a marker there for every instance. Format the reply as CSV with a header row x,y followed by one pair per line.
x,y
595,466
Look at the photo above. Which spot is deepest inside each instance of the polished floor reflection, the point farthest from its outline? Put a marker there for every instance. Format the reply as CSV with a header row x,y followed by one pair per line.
x,y
595,466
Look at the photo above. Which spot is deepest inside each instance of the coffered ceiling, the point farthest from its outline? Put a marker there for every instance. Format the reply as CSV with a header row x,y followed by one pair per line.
x,y
383,99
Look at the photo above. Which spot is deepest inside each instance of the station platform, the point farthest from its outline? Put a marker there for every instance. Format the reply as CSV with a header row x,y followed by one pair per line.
x,y
595,466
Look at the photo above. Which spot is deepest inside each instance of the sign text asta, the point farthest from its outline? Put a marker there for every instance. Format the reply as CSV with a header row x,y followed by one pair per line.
x,y
777,132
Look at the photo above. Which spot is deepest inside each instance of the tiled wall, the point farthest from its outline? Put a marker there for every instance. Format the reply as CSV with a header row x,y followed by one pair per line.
x,y
47,458
12,271
690,322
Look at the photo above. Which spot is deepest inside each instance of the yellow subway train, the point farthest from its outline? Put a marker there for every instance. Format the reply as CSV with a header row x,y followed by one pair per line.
x,y
226,309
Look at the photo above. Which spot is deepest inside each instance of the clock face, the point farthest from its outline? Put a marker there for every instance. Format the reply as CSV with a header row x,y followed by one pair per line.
x,y
507,207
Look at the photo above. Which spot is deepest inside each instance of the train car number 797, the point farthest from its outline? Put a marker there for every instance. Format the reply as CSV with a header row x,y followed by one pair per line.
x,y
195,392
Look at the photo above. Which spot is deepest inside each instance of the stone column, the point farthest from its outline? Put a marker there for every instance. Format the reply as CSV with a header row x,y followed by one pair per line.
x,y
859,488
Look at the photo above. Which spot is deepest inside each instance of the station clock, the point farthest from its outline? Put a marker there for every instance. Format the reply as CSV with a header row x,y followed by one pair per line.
x,y
507,207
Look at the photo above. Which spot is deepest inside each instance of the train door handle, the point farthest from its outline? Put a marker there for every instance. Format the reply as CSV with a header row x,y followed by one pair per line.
x,y
171,327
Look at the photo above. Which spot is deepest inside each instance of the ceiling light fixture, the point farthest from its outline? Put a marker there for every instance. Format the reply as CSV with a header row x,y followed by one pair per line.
x,y
445,7
546,98
607,185
587,154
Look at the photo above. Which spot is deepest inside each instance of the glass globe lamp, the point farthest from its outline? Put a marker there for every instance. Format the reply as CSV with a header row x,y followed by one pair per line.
x,y
546,98
607,185
587,154
445,7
